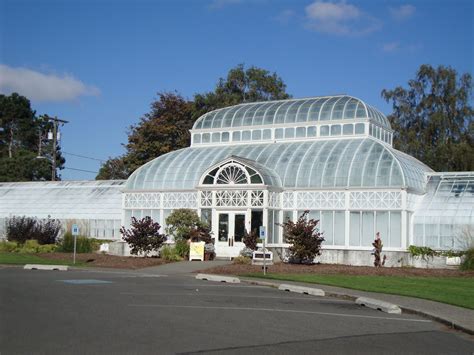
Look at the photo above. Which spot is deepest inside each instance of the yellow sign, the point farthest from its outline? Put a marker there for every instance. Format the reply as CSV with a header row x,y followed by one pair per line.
x,y
196,251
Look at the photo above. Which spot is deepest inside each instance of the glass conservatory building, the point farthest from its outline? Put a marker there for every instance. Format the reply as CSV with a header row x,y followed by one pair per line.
x,y
263,163
259,164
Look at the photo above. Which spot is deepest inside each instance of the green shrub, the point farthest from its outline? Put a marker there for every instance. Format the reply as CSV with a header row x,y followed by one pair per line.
x,y
468,260
47,248
83,244
30,246
182,248
169,253
242,260
8,247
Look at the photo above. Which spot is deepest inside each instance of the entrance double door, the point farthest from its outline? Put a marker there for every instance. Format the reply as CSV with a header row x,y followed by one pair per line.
x,y
230,233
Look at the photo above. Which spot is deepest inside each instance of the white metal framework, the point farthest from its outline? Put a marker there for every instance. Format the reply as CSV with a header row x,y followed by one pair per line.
x,y
270,161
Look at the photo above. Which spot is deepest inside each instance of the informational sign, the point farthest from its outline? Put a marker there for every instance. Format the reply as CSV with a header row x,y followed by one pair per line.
x,y
262,232
196,251
75,229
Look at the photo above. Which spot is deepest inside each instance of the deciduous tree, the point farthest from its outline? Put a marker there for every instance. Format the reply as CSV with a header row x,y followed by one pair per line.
x,y
433,118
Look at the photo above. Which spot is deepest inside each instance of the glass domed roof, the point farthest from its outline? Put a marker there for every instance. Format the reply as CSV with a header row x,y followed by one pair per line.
x,y
345,163
327,108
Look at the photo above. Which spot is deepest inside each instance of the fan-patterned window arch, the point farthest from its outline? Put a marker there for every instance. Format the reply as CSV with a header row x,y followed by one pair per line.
x,y
232,173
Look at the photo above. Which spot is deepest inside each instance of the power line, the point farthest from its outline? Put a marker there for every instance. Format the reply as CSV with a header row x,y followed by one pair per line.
x,y
83,156
86,171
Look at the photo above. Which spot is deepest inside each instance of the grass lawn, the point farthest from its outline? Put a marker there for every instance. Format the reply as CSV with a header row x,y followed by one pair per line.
x,y
22,259
458,291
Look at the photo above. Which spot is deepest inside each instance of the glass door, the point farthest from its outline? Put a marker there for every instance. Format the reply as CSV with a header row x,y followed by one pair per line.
x,y
230,233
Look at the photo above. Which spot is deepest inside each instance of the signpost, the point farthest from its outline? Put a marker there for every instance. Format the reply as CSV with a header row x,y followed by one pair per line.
x,y
262,236
75,233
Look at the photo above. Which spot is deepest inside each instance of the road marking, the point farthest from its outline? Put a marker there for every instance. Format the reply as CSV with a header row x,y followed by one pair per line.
x,y
125,273
86,282
197,293
279,310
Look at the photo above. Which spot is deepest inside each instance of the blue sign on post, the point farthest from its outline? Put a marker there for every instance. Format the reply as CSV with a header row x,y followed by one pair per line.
x,y
262,232
75,229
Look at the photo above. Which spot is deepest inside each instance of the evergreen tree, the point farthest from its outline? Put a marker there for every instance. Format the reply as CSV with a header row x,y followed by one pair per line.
x,y
24,138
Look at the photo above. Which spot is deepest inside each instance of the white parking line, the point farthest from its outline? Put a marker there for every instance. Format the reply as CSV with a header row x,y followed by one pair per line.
x,y
279,310
197,293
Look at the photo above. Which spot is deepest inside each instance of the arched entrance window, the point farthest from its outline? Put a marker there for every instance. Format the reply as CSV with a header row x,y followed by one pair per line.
x,y
232,173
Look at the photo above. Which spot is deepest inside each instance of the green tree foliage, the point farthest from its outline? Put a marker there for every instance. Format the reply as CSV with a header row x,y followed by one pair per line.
x,y
113,169
304,238
433,118
166,127
241,85
23,137
144,236
184,223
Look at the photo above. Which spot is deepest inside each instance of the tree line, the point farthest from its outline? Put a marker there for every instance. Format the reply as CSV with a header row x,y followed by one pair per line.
x,y
432,118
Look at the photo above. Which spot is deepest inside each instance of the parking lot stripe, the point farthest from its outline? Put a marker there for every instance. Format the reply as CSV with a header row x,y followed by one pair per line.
x,y
280,310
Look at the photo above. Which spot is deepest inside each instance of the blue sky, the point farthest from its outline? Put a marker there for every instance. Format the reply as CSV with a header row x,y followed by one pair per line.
x,y
100,63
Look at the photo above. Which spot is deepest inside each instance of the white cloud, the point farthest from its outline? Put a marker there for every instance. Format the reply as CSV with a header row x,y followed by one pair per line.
x,y
402,12
391,46
43,87
339,18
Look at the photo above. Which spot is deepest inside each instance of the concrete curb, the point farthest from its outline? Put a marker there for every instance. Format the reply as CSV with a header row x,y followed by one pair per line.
x,y
436,318
301,289
379,305
218,278
346,296
45,267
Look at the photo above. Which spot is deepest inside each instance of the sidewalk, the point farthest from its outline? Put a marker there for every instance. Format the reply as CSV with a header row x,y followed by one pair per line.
x,y
453,316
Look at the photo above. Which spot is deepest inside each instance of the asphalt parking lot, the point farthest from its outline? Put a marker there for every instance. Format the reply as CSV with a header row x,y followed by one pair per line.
x,y
112,312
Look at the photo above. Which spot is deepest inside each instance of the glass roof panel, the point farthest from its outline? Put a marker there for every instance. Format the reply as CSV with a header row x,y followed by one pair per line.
x,y
302,114
248,117
290,111
227,120
313,164
260,113
63,200
280,114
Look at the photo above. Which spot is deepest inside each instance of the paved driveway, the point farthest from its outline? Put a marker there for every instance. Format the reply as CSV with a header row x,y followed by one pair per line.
x,y
110,312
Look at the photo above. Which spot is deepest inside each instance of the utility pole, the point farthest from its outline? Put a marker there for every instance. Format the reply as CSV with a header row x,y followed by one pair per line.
x,y
55,121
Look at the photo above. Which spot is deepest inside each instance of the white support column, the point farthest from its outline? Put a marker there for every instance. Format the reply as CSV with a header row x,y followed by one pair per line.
x,y
347,215
162,211
405,225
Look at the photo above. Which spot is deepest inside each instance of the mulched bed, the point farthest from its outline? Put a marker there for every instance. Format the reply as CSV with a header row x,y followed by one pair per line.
x,y
103,260
333,269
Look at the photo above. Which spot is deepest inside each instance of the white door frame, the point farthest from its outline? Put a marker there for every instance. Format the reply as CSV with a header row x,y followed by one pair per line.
x,y
229,248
